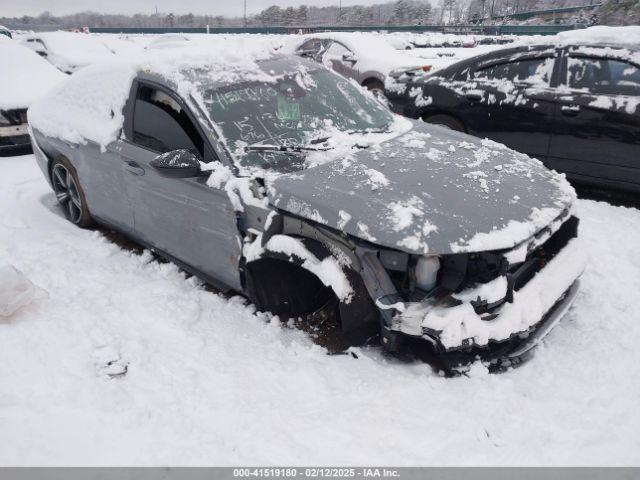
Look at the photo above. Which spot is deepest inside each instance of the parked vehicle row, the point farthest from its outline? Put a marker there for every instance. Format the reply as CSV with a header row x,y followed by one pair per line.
x,y
288,184
68,51
365,58
576,107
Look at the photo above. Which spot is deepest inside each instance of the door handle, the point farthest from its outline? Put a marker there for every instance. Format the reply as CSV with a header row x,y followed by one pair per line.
x,y
570,110
473,96
133,167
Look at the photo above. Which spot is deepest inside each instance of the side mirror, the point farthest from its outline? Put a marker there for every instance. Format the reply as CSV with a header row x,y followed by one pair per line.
x,y
349,58
177,164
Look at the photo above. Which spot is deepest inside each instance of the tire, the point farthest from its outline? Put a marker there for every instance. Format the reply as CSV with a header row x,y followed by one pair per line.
x,y
69,193
446,121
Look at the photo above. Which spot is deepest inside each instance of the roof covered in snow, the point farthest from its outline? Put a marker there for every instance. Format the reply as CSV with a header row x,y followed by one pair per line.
x,y
25,75
88,105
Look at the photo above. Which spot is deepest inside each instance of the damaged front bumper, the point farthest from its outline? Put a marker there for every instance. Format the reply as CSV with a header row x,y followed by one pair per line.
x,y
459,335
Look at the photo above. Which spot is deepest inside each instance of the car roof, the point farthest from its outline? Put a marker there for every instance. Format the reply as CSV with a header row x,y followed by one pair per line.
x,y
522,48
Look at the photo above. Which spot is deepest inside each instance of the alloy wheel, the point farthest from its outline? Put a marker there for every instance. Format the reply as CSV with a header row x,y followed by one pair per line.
x,y
67,194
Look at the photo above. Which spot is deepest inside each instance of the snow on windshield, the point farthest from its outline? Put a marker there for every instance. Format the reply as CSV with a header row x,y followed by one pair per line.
x,y
293,111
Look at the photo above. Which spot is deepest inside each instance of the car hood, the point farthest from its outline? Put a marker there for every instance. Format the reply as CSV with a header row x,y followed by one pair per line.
x,y
430,190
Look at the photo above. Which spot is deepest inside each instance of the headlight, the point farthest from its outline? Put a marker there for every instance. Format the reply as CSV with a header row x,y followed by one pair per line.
x,y
427,272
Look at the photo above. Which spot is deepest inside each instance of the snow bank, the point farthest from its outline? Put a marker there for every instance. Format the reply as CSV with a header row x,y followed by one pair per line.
x,y
16,290
25,75
210,382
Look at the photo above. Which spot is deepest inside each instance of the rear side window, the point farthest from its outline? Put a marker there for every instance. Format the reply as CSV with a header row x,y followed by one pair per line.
x,y
161,124
603,75
534,71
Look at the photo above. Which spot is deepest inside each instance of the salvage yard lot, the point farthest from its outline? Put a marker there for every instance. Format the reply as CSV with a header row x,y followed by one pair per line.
x,y
211,382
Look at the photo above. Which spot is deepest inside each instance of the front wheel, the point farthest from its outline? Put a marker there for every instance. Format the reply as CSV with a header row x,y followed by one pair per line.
x,y
69,193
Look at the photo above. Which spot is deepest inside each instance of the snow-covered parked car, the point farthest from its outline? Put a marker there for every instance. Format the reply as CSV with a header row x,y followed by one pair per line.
x,y
572,101
5,31
67,51
366,58
23,77
168,40
274,177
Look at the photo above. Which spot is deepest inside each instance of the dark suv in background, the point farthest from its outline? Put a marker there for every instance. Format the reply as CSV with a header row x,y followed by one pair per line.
x,y
575,107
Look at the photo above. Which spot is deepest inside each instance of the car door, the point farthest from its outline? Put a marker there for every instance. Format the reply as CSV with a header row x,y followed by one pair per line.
x,y
596,138
511,100
183,217
340,59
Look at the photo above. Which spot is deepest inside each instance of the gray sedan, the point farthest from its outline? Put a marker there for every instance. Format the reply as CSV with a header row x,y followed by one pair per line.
x,y
306,195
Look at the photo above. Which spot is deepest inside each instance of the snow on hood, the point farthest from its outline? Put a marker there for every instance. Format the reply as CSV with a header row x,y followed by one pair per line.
x,y
25,75
430,190
372,52
88,105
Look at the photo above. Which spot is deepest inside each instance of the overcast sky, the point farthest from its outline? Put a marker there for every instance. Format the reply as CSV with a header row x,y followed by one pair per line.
x,y
228,8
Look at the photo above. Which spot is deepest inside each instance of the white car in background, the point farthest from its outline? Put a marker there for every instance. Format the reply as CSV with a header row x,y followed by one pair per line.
x,y
364,57
67,51
24,77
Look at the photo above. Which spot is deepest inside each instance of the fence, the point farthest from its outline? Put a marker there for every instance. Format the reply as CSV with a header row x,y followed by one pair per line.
x,y
459,29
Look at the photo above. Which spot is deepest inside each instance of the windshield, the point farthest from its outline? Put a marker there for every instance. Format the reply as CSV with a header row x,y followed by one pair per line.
x,y
298,110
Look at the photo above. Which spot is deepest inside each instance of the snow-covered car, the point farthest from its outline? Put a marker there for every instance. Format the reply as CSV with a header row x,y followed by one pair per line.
x,y
366,58
5,31
168,40
67,51
272,176
573,103
23,77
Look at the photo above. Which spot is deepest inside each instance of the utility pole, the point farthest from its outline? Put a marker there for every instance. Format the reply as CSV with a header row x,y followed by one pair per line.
x,y
245,13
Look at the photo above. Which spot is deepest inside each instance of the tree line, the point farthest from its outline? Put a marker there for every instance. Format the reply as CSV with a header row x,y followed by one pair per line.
x,y
398,12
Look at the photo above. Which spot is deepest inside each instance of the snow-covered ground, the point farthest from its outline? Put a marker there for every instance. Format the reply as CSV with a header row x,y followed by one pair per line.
x,y
211,382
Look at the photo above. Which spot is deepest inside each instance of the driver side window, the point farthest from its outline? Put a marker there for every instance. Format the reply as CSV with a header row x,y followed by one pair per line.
x,y
162,125
533,71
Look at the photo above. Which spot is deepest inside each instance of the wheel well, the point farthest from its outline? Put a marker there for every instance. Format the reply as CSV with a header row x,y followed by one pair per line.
x,y
372,81
284,288
279,284
433,113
